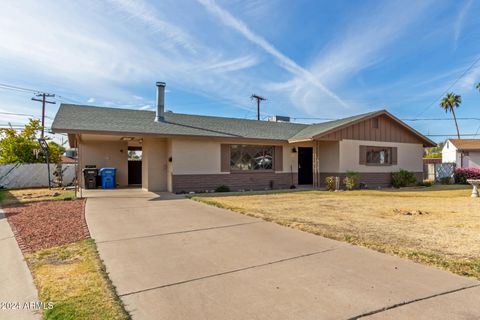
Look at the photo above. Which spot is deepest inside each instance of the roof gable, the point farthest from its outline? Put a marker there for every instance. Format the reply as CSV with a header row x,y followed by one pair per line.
x,y
387,128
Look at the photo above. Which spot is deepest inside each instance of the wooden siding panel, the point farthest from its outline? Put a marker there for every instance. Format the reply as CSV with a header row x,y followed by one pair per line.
x,y
388,131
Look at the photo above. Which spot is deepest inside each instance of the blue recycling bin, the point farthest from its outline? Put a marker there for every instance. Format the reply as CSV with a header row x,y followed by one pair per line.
x,y
107,177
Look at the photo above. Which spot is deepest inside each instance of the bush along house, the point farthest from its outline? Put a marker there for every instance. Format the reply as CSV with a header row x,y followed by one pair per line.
x,y
184,152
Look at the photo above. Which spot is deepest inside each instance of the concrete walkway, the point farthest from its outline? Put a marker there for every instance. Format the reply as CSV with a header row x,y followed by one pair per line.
x,y
173,258
16,282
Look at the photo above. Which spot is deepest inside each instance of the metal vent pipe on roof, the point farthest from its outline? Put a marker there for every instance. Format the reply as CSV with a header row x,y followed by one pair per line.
x,y
160,102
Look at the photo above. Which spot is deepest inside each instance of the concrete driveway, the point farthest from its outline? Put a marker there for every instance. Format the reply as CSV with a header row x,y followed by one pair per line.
x,y
173,258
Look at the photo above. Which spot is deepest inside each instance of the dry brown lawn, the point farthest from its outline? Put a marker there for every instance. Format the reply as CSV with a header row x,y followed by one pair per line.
x,y
8,197
439,225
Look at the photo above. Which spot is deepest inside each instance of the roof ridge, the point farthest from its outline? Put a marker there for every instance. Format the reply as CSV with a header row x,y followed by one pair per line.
x,y
182,114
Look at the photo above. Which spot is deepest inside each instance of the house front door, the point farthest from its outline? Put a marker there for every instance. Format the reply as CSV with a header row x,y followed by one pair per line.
x,y
305,165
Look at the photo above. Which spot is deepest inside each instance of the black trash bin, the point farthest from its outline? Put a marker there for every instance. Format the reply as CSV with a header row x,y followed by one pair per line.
x,y
90,177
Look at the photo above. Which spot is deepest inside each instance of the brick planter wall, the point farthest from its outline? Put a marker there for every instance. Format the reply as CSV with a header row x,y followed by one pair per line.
x,y
235,181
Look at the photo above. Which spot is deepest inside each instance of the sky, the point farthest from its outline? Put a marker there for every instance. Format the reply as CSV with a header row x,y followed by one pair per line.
x,y
311,60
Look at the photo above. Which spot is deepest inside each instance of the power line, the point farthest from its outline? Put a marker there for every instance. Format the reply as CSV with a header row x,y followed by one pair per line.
x,y
17,88
18,114
441,119
476,132
451,86
451,135
403,119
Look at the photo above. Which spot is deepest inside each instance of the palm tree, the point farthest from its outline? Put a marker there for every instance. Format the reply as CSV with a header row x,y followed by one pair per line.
x,y
478,86
449,103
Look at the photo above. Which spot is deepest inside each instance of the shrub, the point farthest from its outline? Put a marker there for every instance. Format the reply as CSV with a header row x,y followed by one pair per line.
x,y
445,180
351,180
462,174
222,188
330,182
403,178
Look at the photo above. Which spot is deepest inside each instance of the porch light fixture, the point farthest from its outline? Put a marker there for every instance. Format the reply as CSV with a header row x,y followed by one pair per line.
x,y
126,138
294,150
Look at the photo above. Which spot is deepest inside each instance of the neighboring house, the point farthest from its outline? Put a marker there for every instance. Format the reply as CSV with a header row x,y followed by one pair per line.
x,y
465,153
182,152
68,160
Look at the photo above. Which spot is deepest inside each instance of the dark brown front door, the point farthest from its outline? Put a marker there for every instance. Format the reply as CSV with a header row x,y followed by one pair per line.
x,y
305,166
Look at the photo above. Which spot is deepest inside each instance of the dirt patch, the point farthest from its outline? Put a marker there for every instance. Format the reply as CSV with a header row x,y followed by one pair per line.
x,y
41,225
410,212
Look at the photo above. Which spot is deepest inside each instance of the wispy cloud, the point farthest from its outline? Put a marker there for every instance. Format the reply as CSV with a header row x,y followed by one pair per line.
x,y
148,14
361,45
457,27
469,80
238,25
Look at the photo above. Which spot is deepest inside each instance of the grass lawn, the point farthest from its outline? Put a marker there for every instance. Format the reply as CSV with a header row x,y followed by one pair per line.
x,y
74,279
8,197
438,226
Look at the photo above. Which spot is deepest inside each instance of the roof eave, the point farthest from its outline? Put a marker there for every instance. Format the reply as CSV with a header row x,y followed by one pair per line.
x,y
300,140
125,133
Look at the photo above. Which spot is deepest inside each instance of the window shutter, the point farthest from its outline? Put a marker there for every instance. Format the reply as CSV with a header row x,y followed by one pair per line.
x,y
225,158
278,158
394,156
363,155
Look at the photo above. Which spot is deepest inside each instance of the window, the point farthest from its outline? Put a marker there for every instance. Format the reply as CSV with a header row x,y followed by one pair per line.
x,y
379,156
375,123
251,157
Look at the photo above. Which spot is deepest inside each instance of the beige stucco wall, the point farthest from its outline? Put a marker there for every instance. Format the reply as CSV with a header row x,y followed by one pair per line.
x,y
195,156
106,154
329,156
409,156
169,165
154,164
202,156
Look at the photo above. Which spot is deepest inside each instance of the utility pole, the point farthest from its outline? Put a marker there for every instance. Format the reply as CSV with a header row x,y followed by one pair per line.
x,y
259,99
43,100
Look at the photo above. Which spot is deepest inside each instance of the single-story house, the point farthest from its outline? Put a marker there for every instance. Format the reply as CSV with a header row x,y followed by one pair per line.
x,y
465,153
184,152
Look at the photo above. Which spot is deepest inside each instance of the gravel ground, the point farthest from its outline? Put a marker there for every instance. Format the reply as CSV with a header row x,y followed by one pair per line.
x,y
41,225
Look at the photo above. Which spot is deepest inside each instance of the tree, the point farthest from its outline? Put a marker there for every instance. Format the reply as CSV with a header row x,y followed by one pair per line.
x,y
449,103
434,152
23,147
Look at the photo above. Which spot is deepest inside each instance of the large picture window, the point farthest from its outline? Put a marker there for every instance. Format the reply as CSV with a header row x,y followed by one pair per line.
x,y
378,156
251,157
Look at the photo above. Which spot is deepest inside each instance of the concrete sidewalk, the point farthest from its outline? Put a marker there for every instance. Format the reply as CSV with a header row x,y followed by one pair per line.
x,y
173,258
16,282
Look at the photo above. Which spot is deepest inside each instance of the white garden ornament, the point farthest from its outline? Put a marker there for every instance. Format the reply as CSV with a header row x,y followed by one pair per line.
x,y
474,183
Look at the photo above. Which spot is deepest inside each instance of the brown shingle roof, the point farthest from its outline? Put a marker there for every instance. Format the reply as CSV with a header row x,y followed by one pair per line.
x,y
466,144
